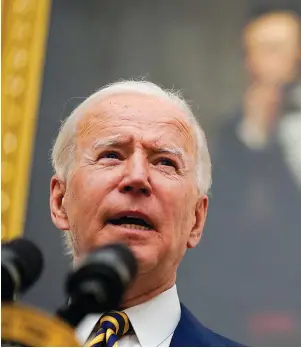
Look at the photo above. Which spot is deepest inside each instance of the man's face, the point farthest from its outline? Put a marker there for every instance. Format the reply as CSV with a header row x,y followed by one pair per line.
x,y
273,49
133,181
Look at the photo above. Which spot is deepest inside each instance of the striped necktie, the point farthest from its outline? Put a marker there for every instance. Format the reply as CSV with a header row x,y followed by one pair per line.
x,y
112,325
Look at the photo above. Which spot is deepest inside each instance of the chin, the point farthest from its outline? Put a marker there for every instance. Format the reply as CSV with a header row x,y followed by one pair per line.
x,y
147,258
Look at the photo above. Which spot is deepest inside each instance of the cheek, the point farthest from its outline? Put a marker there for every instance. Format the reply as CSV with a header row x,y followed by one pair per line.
x,y
179,209
91,183
86,192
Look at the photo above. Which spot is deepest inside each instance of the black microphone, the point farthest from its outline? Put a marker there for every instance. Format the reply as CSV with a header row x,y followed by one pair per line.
x,y
21,266
98,283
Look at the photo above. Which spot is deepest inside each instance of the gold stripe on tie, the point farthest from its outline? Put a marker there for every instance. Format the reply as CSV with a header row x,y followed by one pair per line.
x,y
126,322
96,339
111,320
110,332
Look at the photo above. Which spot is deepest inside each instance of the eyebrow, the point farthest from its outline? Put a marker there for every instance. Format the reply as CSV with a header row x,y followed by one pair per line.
x,y
177,151
117,140
110,141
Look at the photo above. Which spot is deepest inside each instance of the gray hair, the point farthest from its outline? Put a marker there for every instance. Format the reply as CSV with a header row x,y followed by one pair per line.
x,y
65,144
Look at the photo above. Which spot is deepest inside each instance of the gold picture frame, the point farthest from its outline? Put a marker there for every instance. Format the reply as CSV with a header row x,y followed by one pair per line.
x,y
24,25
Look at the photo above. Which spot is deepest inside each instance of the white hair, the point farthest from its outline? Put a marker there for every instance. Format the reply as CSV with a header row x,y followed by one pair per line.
x,y
63,151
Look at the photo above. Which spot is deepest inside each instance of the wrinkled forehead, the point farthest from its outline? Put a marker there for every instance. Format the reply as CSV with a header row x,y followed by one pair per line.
x,y
141,112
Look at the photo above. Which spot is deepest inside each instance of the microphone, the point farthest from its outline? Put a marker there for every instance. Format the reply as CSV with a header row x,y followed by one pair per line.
x,y
21,266
98,283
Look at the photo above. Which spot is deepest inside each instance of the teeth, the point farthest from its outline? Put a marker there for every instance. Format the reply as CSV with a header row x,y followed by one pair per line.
x,y
136,227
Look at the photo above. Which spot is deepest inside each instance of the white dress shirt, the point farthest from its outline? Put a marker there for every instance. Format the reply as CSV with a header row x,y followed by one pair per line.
x,y
154,322
290,138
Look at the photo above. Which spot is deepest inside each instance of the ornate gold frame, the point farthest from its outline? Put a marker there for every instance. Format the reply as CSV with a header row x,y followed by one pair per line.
x,y
24,33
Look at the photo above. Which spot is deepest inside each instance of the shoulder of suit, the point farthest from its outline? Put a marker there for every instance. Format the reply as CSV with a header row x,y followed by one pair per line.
x,y
204,336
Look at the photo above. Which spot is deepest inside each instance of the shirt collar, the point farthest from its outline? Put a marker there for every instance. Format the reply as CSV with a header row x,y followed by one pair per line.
x,y
153,321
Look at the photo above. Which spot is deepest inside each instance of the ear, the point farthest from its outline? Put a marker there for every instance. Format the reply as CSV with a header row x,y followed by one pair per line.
x,y
57,209
200,218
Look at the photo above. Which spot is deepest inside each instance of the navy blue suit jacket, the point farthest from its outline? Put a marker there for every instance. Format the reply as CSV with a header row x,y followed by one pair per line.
x,y
191,333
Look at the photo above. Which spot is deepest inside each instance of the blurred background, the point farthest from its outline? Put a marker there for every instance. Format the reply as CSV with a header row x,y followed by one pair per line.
x,y
239,64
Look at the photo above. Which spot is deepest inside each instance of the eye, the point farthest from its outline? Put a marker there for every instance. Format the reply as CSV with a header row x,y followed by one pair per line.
x,y
167,162
110,155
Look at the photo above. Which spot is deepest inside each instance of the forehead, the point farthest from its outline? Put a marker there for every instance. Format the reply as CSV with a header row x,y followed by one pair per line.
x,y
138,114
278,28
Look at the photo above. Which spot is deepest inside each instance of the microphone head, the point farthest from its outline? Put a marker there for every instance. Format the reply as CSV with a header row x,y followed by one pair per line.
x,y
103,277
22,264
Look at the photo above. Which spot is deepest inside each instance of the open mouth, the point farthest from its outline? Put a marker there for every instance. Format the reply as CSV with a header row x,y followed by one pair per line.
x,y
132,223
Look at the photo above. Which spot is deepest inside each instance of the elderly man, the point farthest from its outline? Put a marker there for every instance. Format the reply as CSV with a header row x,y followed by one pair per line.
x,y
132,165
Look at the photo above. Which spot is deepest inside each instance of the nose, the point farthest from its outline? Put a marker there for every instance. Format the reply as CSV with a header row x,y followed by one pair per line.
x,y
136,179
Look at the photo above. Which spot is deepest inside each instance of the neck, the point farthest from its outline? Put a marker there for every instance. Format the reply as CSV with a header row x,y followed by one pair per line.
x,y
144,289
